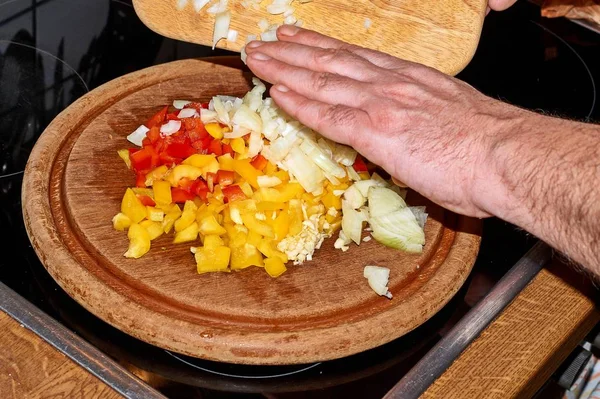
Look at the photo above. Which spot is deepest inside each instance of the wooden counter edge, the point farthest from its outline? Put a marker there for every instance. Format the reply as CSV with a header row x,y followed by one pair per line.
x,y
30,367
516,354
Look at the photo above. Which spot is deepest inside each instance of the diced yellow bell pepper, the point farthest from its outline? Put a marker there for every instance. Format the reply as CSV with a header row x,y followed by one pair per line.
x,y
331,201
139,241
283,193
170,217
282,175
270,206
121,222
188,216
270,169
133,207
199,160
212,241
154,229
257,226
296,217
338,187
188,234
143,191
213,259
275,267
226,162
281,225
209,225
269,249
155,214
238,145
156,174
181,171
217,194
246,189
364,175
214,129
254,238
245,256
162,192
248,172
124,154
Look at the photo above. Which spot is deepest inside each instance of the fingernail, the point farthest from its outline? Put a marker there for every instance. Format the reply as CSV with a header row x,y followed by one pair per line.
x,y
260,56
282,88
288,30
255,44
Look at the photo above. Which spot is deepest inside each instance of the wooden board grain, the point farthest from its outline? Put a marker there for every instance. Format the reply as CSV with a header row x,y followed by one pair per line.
x,y
73,185
519,351
441,34
32,368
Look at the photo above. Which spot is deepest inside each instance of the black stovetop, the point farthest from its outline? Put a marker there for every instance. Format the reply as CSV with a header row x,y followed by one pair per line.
x,y
54,51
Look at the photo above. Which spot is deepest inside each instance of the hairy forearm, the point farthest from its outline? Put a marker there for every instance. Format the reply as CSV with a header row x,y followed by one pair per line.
x,y
544,176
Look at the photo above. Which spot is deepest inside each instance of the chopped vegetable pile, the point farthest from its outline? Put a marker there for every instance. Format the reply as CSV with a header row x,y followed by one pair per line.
x,y
245,185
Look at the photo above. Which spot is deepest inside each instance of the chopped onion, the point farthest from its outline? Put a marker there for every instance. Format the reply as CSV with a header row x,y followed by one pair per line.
x,y
319,157
187,113
222,113
181,4
263,25
344,154
364,185
420,214
247,118
269,36
222,21
255,144
352,174
232,35
180,104
268,181
306,172
170,128
279,149
208,116
367,23
200,4
351,222
237,131
354,197
138,135
378,278
217,8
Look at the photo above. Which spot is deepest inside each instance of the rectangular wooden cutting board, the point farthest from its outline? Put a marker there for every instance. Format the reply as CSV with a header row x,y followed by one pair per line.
x,y
442,34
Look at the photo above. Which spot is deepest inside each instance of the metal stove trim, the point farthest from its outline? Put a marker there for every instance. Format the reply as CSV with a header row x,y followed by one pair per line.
x,y
73,346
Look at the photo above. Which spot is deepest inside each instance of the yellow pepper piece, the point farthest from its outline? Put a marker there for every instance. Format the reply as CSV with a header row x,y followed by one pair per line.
x,y
154,229
283,193
270,206
331,201
124,154
212,241
143,191
338,187
190,233
214,129
275,267
268,249
226,162
257,226
243,168
254,238
162,192
212,260
188,216
281,225
282,175
121,222
238,145
270,169
181,171
364,175
133,207
156,174
171,216
139,241
155,214
296,217
209,225
245,256
199,160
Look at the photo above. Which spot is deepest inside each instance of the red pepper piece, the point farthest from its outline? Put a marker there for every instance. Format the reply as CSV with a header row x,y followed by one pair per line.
x,y
179,196
225,177
200,188
360,165
146,201
227,149
158,118
166,159
259,162
180,150
215,147
233,193
140,179
141,159
198,132
153,134
172,116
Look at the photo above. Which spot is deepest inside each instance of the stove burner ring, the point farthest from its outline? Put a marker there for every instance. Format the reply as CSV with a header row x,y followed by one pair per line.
x,y
299,370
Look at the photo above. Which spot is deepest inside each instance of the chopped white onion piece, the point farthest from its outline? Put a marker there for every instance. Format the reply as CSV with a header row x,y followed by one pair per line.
x,y
236,132
232,35
138,135
368,23
290,20
222,113
222,21
255,144
208,116
378,278
217,8
263,25
247,118
269,36
181,4
200,4
268,181
179,104
187,113
170,127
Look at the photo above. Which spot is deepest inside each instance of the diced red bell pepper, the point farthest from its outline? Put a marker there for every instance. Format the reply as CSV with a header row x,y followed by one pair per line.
x,y
172,116
166,159
225,177
198,132
259,162
179,196
227,149
215,147
233,193
196,106
153,134
158,118
200,188
146,201
146,142
180,150
141,159
186,184
140,178
360,165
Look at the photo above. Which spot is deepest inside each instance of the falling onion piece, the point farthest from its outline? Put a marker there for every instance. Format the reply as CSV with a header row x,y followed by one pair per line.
x,y
378,278
222,21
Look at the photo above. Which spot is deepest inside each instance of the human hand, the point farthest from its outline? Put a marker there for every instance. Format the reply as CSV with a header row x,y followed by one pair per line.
x,y
429,130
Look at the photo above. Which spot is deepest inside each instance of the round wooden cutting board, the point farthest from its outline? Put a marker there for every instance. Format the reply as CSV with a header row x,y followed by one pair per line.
x,y
321,310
